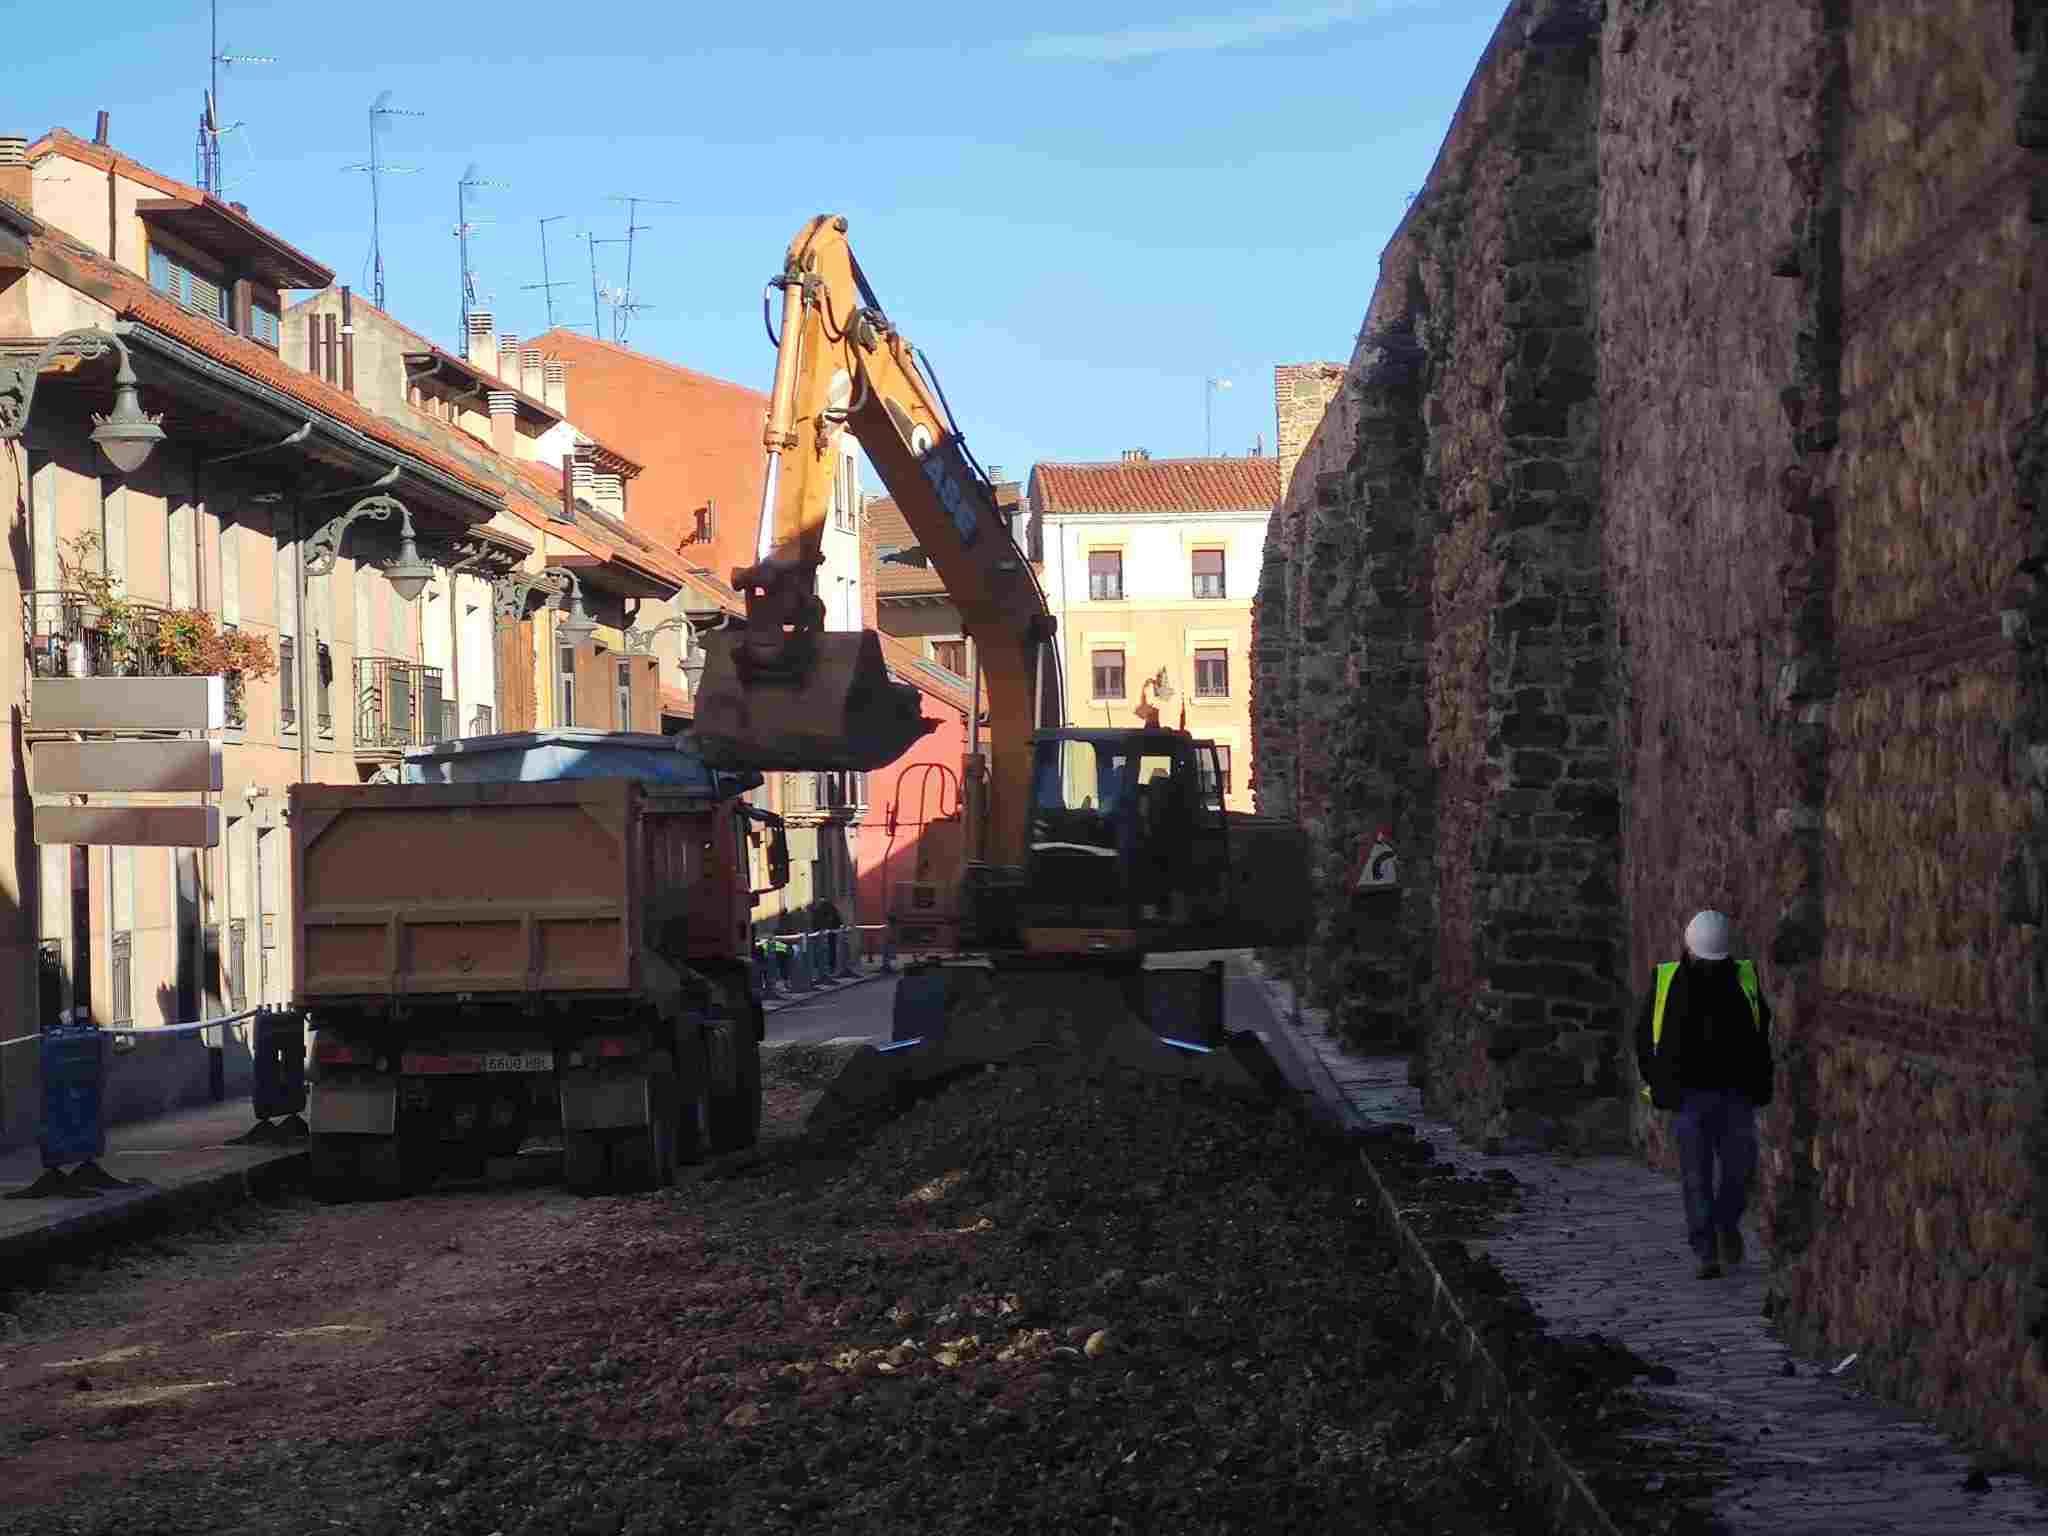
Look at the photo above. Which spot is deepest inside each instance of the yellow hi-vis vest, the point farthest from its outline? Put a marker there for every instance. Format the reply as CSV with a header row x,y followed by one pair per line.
x,y
1745,972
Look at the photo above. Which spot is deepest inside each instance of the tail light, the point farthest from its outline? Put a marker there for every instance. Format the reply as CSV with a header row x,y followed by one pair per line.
x,y
338,1053
618,1046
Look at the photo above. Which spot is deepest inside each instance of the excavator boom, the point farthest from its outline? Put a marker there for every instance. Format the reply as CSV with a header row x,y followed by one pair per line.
x,y
782,692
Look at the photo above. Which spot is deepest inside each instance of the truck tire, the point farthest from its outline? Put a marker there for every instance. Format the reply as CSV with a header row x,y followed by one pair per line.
x,y
645,1157
583,1161
331,1167
736,1117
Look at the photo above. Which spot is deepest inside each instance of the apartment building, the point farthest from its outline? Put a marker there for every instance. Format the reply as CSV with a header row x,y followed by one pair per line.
x,y
441,563
1150,567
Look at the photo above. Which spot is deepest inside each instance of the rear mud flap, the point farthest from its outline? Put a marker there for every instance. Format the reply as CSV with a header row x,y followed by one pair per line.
x,y
604,1099
838,711
954,1018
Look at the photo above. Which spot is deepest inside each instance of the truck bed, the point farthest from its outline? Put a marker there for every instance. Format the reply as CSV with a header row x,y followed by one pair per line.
x,y
477,889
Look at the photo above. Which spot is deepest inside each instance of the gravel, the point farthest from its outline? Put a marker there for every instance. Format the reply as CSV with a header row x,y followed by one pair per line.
x,y
1025,1304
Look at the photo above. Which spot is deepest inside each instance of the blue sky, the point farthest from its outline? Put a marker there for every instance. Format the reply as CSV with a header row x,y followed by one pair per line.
x,y
1080,211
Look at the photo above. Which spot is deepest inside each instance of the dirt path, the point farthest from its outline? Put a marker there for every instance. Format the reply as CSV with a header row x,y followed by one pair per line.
x,y
1015,1308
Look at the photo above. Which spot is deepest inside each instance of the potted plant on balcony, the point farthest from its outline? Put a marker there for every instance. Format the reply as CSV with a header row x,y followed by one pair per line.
x,y
192,645
106,611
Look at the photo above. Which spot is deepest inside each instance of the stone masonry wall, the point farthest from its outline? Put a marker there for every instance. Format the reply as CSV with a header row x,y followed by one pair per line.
x,y
1675,541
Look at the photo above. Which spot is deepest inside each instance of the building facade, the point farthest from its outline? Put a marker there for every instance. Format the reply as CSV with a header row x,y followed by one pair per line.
x,y
1150,566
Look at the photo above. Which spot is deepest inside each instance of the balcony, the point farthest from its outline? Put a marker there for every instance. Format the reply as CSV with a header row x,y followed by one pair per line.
x,y
823,794
398,705
67,635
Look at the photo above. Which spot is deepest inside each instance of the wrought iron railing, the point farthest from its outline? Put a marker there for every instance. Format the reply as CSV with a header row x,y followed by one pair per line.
x,y
66,634
398,704
480,721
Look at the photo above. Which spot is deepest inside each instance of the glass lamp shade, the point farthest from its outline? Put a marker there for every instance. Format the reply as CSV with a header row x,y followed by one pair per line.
x,y
128,435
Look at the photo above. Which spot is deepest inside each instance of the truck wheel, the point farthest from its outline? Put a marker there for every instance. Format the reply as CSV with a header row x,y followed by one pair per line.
x,y
736,1117
331,1167
583,1161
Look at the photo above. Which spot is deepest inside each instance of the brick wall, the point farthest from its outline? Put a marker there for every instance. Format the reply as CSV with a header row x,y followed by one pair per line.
x,y
1662,548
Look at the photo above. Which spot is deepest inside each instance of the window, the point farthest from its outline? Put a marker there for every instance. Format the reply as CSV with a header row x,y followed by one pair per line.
x,y
1208,565
625,716
1108,667
197,292
324,670
123,948
287,682
1209,784
1106,575
842,496
565,686
262,324
951,654
1212,674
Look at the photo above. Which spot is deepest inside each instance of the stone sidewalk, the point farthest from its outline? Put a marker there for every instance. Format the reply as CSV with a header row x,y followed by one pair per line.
x,y
178,1161
870,970
1598,1247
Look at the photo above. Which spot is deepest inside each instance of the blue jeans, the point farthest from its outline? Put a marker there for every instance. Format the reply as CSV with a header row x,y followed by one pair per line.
x,y
1714,1126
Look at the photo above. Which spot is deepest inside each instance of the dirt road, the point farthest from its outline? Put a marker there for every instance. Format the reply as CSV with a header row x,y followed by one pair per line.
x,y
1013,1308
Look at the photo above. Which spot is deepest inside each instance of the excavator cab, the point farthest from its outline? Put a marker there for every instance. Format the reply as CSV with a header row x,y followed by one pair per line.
x,y
826,701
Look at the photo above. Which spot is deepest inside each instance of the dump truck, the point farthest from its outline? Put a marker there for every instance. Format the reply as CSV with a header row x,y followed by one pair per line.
x,y
531,936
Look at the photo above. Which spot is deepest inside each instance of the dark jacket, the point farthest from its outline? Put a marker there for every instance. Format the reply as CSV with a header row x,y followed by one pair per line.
x,y
1709,1040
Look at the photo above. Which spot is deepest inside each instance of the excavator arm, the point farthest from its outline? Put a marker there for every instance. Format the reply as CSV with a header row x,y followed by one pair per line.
x,y
779,691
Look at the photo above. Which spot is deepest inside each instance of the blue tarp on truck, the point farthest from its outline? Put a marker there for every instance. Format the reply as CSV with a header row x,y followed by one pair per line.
x,y
528,757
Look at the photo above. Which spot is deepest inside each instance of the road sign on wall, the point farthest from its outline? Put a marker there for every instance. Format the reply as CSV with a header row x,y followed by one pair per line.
x,y
127,703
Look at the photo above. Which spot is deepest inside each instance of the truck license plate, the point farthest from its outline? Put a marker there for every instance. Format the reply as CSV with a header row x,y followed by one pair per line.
x,y
519,1061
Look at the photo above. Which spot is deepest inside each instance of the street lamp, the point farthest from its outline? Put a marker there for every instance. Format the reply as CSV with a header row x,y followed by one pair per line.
x,y
126,436
641,642
408,574
574,631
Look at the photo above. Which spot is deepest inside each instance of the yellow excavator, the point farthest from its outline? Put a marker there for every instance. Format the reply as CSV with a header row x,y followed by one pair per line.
x,y
1088,849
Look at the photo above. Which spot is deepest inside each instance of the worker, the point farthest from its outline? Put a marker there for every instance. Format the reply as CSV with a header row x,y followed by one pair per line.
x,y
1704,1050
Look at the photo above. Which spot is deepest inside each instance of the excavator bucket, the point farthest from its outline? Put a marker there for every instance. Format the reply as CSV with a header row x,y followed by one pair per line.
x,y
840,712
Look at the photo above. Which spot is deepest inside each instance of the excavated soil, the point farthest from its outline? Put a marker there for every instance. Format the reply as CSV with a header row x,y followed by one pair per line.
x,y
1016,1307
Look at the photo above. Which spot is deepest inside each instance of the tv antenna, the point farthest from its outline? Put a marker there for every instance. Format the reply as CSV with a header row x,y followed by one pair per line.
x,y
627,306
380,109
465,226
547,285
590,238
210,129
1209,388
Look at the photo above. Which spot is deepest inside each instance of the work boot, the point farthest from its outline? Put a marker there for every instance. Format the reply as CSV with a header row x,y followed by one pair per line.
x,y
1731,1247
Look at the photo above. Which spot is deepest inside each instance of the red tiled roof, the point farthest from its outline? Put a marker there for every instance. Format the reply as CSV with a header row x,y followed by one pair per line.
x,y
543,486
129,297
1158,485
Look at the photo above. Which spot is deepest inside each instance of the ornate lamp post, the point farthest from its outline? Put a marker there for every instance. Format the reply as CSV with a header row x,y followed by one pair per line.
x,y
641,642
408,574
126,436
574,631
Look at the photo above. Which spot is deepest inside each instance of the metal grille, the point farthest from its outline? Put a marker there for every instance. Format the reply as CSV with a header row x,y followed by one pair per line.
x,y
1212,674
451,724
238,956
65,635
480,722
123,947
398,704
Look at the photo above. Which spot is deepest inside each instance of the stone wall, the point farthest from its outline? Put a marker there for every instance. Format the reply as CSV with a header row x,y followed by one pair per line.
x,y
1664,549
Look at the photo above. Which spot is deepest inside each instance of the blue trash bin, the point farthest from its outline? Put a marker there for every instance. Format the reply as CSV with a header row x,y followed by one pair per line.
x,y
74,1062
277,1050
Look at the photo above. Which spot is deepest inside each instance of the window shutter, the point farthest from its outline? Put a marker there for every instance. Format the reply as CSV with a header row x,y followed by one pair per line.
x,y
515,676
646,691
596,702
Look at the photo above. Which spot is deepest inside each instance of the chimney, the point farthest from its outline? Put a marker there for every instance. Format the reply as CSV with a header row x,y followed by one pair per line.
x,y
583,476
608,495
348,340
483,348
507,368
995,474
555,386
530,378
99,132
504,421
17,181
1137,455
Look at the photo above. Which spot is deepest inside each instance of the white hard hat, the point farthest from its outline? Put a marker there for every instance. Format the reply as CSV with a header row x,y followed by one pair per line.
x,y
1707,936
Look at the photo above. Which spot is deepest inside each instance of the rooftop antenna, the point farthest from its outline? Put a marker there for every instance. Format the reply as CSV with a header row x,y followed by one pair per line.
x,y
590,237
380,109
628,306
547,285
1210,386
464,228
210,129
